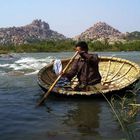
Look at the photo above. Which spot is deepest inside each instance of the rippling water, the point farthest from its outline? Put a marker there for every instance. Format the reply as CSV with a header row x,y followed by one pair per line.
x,y
60,118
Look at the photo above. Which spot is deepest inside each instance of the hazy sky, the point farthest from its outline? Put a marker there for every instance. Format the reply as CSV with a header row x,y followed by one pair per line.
x,y
71,17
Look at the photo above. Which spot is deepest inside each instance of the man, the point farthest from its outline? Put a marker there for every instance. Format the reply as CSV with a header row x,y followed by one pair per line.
x,y
86,68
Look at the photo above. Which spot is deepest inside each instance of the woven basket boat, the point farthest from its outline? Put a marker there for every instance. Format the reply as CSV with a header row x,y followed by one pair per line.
x,y
117,74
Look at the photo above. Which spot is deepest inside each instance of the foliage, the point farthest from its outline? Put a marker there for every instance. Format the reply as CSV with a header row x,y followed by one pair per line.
x,y
127,110
68,45
133,35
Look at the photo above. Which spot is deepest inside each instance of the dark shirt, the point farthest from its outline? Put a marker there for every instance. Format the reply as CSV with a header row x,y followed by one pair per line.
x,y
86,68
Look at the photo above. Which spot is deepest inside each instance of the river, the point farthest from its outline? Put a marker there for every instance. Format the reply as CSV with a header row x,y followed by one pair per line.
x,y
60,118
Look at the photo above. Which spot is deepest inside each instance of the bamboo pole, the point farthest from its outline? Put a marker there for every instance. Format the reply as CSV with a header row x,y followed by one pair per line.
x,y
109,64
117,72
119,76
54,83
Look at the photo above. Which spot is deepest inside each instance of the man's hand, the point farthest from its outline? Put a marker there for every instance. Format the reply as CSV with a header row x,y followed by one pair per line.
x,y
81,53
62,74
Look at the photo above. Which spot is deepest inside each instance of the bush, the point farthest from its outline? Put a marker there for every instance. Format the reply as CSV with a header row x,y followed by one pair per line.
x,y
68,45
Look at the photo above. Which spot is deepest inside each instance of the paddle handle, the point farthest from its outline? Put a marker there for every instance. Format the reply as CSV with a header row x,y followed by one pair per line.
x,y
54,83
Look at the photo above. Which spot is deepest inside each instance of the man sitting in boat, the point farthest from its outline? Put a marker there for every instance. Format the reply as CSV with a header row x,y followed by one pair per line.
x,y
86,68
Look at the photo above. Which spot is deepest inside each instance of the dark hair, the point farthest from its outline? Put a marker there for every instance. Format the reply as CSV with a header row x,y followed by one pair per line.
x,y
83,45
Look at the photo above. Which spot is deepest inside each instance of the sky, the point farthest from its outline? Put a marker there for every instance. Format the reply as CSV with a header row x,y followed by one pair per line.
x,y
72,17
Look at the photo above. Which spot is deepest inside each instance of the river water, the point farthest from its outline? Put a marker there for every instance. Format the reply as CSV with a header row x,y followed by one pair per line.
x,y
60,118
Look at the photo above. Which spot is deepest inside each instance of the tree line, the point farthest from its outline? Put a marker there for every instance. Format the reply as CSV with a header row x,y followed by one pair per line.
x,y
68,45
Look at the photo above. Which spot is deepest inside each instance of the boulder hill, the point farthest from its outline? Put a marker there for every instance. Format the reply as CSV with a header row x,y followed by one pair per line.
x,y
37,30
100,30
40,30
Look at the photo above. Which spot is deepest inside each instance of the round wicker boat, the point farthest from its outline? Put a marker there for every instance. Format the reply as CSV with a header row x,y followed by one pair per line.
x,y
117,74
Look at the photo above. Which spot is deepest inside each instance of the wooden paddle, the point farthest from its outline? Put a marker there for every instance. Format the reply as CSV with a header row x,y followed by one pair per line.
x,y
54,83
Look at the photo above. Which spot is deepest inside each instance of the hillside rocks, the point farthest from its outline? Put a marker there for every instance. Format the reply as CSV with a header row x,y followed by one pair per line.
x,y
100,31
37,30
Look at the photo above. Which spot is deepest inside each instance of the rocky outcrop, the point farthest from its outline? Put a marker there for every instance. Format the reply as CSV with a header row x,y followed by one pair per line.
x,y
99,31
37,30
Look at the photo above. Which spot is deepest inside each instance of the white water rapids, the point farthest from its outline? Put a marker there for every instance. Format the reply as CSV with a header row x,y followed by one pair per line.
x,y
22,65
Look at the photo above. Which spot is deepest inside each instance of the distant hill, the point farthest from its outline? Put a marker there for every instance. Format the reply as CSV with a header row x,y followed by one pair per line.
x,y
40,30
133,35
100,30
37,30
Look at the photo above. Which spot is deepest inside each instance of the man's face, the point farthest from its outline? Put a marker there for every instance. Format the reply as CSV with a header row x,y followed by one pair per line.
x,y
78,48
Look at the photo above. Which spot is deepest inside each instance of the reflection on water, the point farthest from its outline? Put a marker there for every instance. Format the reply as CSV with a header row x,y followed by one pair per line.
x,y
92,118
85,118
